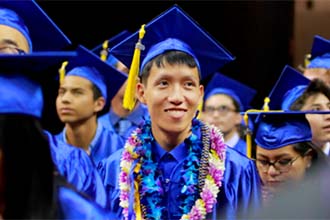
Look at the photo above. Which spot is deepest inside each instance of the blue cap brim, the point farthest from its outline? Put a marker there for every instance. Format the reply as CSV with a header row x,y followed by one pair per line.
x,y
21,79
34,63
273,130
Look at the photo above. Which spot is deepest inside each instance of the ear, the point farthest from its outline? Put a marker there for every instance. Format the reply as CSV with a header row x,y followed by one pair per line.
x,y
201,90
308,159
99,104
238,118
140,93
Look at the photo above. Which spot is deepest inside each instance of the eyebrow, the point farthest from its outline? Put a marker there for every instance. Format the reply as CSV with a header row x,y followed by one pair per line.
x,y
9,42
277,156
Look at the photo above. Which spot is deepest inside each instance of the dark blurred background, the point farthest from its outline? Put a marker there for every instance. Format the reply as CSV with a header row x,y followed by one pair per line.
x,y
261,34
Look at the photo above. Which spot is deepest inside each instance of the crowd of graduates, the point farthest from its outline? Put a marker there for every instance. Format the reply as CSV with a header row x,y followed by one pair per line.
x,y
143,138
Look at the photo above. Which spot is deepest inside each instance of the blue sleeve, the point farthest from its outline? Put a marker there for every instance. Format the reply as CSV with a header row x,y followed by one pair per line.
x,y
74,206
109,170
240,194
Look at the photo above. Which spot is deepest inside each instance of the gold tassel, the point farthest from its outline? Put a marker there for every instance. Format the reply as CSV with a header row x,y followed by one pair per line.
x,y
307,60
248,136
62,71
104,51
266,104
129,96
200,108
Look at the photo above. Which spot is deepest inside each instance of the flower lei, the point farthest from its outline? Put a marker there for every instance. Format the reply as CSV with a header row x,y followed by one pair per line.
x,y
137,167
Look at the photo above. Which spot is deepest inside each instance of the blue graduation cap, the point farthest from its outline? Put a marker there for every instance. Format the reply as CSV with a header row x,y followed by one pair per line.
x,y
274,130
29,18
21,77
174,29
100,73
320,53
176,24
221,84
103,49
288,79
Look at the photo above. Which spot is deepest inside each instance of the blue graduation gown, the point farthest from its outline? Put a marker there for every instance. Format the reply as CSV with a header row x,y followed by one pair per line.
x,y
239,195
74,206
104,143
241,146
78,169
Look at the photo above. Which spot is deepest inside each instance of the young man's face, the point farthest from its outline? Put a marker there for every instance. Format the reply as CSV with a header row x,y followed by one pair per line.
x,y
320,123
75,102
172,94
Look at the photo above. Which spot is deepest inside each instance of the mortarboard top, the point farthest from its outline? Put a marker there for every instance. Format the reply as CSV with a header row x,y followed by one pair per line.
x,y
320,53
175,23
273,130
21,77
320,46
288,79
110,43
221,84
43,33
32,63
100,73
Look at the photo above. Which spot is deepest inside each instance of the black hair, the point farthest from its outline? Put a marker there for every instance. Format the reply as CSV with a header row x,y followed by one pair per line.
x,y
28,169
319,159
170,57
316,86
96,92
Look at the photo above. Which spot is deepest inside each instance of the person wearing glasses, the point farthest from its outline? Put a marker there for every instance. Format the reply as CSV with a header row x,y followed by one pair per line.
x,y
224,99
284,150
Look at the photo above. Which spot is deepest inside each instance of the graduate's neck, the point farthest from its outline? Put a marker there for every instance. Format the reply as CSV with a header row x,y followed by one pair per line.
x,y
168,140
81,134
228,135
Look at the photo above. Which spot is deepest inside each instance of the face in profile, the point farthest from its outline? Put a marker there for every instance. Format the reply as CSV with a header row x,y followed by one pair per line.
x,y
12,41
320,123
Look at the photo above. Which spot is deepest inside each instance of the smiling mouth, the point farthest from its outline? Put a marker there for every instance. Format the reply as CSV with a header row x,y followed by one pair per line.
x,y
326,127
175,110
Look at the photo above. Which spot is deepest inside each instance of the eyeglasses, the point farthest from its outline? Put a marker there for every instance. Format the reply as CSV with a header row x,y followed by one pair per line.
x,y
282,165
222,109
7,49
